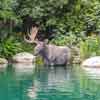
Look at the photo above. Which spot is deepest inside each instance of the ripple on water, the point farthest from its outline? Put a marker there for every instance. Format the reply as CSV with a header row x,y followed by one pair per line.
x,y
45,83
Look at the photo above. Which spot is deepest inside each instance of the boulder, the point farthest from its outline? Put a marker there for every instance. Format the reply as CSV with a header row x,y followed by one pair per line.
x,y
75,51
92,62
76,60
3,61
23,57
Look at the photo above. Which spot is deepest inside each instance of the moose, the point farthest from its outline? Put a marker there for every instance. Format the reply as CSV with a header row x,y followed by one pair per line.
x,y
51,54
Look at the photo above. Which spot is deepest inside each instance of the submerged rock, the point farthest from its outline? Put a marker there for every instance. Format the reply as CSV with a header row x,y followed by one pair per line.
x,y
23,57
3,61
92,62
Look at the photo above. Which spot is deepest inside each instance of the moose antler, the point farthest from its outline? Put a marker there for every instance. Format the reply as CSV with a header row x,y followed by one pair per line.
x,y
32,36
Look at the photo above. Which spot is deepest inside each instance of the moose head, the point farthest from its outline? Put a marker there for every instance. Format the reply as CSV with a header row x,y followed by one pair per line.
x,y
40,47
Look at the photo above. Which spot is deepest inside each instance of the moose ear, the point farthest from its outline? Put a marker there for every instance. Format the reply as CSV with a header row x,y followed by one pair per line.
x,y
46,41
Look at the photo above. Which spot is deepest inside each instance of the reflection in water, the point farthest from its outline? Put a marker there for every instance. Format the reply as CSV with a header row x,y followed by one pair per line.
x,y
22,69
52,78
3,66
23,82
64,84
32,92
93,73
14,86
55,83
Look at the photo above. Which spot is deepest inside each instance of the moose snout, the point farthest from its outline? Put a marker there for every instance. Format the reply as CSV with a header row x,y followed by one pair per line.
x,y
35,53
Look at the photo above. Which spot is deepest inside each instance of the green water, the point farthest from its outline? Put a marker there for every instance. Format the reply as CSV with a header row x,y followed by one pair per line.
x,y
17,82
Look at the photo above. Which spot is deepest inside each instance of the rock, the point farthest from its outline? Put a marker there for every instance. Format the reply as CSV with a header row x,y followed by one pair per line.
x,y
23,57
92,62
76,60
3,61
75,51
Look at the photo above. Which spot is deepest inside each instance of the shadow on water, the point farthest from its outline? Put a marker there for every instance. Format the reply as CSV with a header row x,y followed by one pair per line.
x,y
30,82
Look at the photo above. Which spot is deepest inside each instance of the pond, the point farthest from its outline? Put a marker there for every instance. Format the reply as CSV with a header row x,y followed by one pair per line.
x,y
29,82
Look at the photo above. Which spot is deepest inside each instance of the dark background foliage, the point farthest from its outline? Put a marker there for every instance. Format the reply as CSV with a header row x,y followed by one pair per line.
x,y
56,18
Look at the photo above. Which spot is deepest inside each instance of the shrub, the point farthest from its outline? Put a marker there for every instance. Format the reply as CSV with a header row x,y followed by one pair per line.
x,y
65,40
9,47
90,47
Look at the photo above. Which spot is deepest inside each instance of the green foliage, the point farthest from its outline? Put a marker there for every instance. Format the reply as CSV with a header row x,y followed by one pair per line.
x,y
6,9
39,8
67,19
39,61
90,47
65,16
9,47
12,45
69,40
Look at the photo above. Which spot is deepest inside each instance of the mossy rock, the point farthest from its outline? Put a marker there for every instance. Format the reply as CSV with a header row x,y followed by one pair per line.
x,y
75,51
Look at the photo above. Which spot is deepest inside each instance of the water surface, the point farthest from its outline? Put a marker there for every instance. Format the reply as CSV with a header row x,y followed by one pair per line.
x,y
30,82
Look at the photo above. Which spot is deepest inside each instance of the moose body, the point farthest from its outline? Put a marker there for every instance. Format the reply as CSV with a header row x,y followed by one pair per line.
x,y
52,54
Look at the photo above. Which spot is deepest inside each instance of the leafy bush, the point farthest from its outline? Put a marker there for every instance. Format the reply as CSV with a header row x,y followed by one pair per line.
x,y
69,40
9,47
90,47
13,45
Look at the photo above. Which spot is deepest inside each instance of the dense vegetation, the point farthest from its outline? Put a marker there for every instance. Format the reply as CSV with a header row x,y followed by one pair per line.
x,y
64,22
